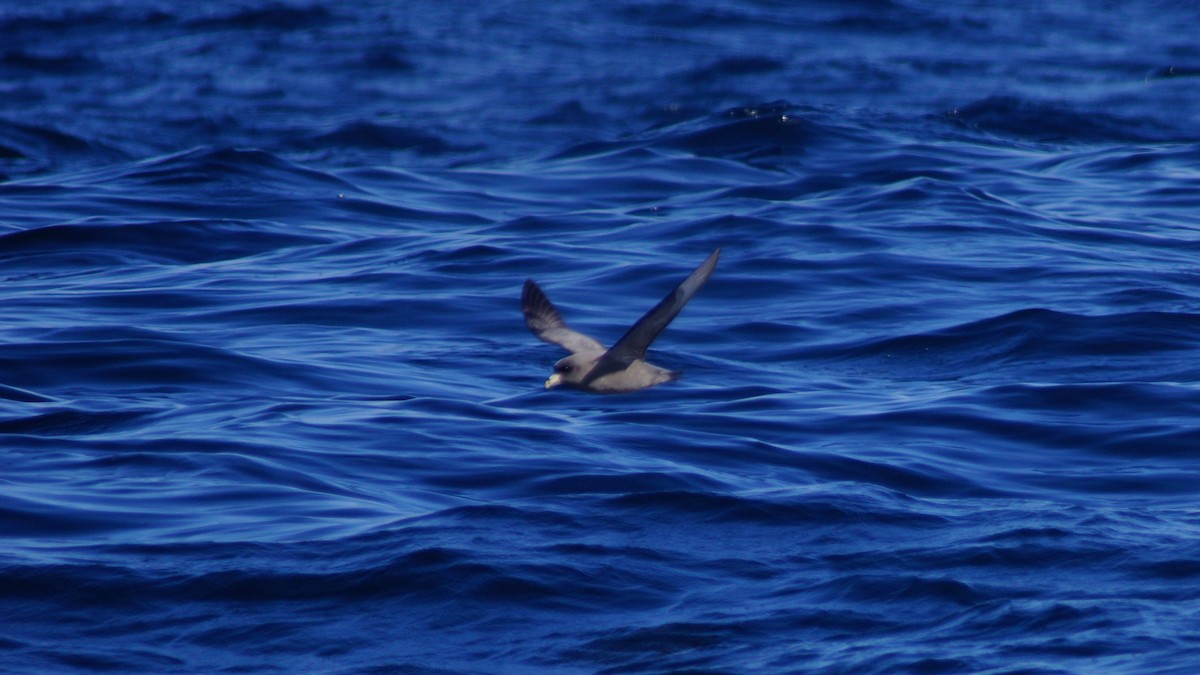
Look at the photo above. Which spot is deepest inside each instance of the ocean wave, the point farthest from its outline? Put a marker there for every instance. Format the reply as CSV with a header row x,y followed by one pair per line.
x,y
1058,122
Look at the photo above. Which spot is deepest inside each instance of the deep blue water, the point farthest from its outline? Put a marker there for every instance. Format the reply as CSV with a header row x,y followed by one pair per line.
x,y
267,401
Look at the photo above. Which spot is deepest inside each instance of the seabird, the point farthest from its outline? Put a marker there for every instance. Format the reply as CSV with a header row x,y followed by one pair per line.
x,y
622,369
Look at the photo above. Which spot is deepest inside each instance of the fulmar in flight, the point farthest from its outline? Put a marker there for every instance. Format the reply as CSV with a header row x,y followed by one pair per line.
x,y
623,368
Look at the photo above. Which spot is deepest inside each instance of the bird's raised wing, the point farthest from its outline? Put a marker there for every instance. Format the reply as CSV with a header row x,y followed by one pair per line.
x,y
543,319
633,344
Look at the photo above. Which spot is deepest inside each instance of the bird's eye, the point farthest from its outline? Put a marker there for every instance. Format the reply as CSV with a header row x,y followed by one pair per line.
x,y
564,368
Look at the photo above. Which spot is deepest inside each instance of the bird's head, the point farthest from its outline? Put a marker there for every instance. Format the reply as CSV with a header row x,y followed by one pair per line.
x,y
570,371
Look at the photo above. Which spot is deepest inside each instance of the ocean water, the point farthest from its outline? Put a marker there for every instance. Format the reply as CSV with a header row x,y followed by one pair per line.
x,y
267,401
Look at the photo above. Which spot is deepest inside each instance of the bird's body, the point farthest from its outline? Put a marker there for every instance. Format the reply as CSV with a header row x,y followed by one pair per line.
x,y
623,368
596,378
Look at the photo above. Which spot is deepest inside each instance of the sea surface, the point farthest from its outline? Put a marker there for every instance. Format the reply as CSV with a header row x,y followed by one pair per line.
x,y
268,403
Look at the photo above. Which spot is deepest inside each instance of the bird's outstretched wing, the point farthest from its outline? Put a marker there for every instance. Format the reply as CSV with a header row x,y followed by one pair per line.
x,y
633,344
543,319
